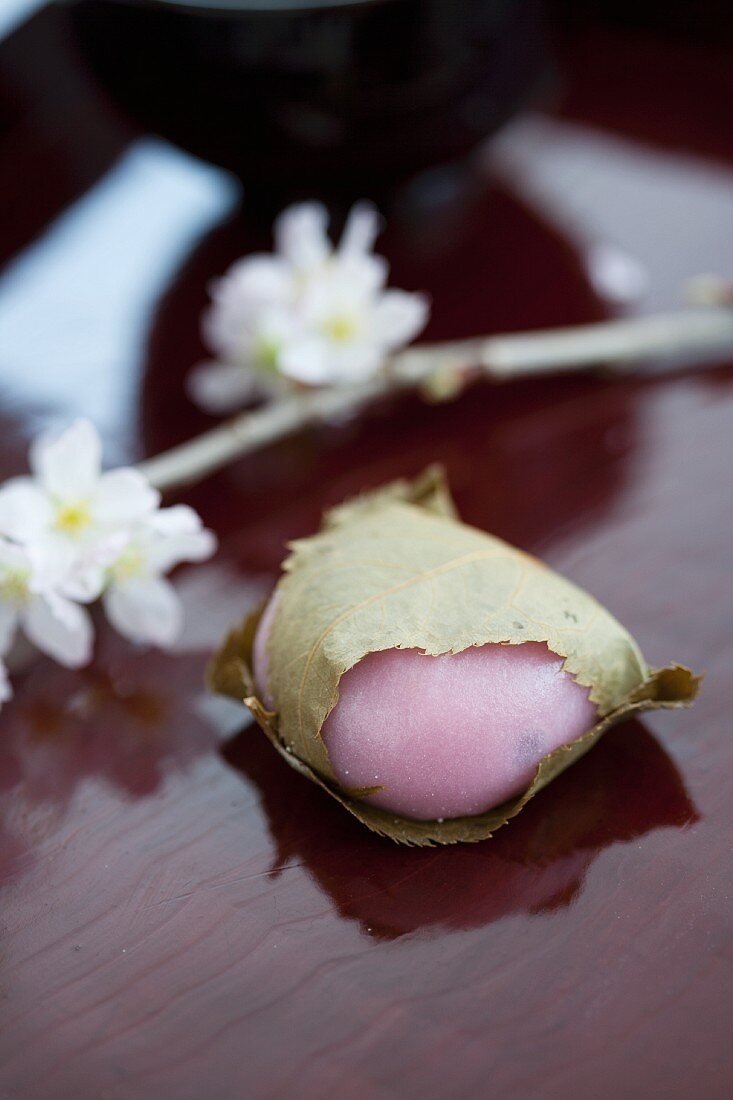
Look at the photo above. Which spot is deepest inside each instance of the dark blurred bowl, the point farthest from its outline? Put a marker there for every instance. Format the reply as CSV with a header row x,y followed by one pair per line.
x,y
339,99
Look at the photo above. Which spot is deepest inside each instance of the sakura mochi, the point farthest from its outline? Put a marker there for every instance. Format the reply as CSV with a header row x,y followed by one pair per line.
x,y
450,735
429,676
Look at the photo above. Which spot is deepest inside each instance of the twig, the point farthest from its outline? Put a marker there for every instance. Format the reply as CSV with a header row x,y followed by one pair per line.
x,y
195,460
444,370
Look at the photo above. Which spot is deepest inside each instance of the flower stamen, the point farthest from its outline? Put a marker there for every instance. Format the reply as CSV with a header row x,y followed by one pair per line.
x,y
129,565
14,586
73,519
340,328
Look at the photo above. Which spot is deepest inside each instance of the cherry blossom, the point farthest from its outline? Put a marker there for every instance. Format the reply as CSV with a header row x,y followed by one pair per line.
x,y
70,533
68,497
310,313
350,326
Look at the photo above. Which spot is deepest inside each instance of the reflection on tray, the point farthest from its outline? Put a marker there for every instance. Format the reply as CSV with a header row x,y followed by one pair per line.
x,y
130,719
626,787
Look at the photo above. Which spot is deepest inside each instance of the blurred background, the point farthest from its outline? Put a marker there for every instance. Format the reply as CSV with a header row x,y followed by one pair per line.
x,y
340,98
147,143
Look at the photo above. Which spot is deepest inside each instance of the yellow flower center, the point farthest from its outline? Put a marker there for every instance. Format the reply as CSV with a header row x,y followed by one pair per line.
x,y
129,565
14,586
73,519
340,328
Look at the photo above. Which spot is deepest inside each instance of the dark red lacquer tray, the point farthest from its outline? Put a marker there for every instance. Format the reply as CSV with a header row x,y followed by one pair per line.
x,y
183,916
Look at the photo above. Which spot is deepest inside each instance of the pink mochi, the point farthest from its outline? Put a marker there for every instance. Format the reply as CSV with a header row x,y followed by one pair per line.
x,y
446,736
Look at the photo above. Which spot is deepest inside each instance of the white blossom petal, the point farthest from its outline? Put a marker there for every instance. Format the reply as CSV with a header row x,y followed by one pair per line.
x,y
51,559
86,585
276,326
250,287
397,317
69,464
351,363
6,691
87,576
301,236
353,280
180,519
220,387
185,548
356,279
364,275
123,497
362,228
317,361
25,510
226,328
145,609
12,556
8,626
60,628
257,279
348,288
307,361
175,535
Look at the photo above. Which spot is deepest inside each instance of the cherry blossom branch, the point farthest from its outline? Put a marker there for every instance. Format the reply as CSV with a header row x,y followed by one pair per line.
x,y
442,371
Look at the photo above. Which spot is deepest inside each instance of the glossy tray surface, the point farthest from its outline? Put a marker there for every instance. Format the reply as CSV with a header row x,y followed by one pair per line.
x,y
182,915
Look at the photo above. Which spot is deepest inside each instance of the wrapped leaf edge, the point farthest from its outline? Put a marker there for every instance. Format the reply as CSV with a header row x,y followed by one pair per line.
x,y
230,674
